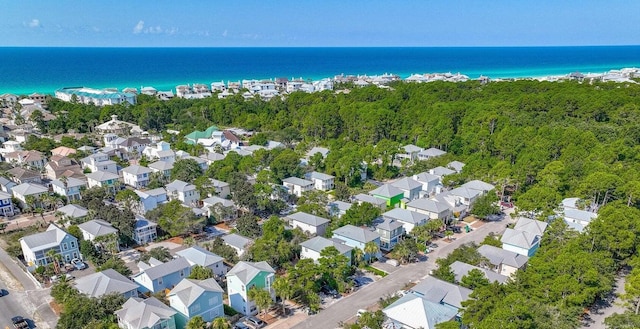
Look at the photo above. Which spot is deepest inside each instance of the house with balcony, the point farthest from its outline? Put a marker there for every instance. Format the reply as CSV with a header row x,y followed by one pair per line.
x,y
70,188
23,191
321,182
430,153
163,167
390,232
22,175
183,192
297,186
99,161
157,276
36,246
96,228
503,261
144,230
407,218
432,208
29,159
150,199
313,248
105,179
308,223
138,313
245,276
193,298
357,237
59,166
6,185
6,205
521,242
104,283
136,176
199,256
410,187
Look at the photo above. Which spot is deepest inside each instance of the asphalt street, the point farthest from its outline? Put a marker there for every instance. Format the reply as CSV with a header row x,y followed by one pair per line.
x,y
346,308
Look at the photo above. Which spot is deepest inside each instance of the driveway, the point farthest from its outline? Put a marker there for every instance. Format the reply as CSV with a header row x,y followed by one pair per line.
x,y
25,297
607,306
346,308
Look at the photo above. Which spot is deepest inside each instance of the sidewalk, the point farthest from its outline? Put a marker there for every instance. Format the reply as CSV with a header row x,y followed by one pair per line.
x,y
25,220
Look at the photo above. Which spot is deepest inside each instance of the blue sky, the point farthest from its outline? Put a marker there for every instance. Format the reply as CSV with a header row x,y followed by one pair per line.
x,y
302,23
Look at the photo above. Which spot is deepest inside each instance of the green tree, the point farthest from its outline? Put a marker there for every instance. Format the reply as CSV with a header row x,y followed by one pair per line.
x,y
286,164
371,249
451,324
196,322
247,225
341,192
485,206
186,170
160,253
220,323
128,198
491,240
117,264
283,288
474,279
201,273
261,297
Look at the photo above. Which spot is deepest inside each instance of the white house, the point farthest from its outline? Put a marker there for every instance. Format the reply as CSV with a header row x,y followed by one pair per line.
x,y
106,282
184,192
97,228
102,179
429,182
313,247
198,256
221,188
430,153
94,96
6,206
22,191
431,208
99,162
144,230
409,219
163,167
239,243
321,182
409,186
137,313
229,206
503,261
308,223
136,176
297,186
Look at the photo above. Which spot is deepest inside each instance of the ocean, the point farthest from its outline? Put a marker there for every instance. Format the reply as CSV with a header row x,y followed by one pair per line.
x,y
28,70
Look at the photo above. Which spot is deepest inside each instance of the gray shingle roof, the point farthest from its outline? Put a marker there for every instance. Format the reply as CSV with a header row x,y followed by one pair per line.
x,y
389,225
297,181
189,290
387,191
461,269
97,227
308,219
356,233
439,291
429,205
167,268
103,283
426,177
531,225
29,189
318,175
73,211
406,216
144,313
215,199
432,152
180,186
50,238
246,271
581,215
519,238
318,244
200,256
236,240
369,199
498,256
161,165
479,185
136,170
101,176
441,171
407,184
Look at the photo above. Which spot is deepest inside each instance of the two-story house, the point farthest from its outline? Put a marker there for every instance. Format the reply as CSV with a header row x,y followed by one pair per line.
x,y
137,313
503,261
69,188
72,212
313,248
297,186
104,179
430,153
409,219
338,208
238,242
23,175
390,232
245,276
184,192
321,182
99,162
521,242
150,199
163,167
199,256
106,282
221,188
30,159
358,237
157,276
308,223
23,191
144,230
430,183
431,208
219,208
59,166
193,298
410,187
98,228
136,176
389,193
36,246
6,206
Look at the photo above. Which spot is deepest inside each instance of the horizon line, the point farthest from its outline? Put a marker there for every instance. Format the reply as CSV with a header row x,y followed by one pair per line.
x,y
317,47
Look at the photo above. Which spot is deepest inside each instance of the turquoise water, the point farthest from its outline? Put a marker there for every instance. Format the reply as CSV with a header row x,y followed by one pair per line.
x,y
27,70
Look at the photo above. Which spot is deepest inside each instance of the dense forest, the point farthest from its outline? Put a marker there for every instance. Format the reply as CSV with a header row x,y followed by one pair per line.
x,y
540,141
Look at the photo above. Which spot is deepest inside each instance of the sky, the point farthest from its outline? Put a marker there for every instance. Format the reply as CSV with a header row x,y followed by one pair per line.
x,y
320,23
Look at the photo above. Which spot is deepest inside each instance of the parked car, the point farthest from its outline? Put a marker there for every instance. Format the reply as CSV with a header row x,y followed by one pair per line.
x,y
3,292
67,277
255,322
454,229
360,312
20,322
78,264
439,235
330,291
240,325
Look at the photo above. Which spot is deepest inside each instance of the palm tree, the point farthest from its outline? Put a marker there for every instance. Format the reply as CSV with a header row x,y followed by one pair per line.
x,y
30,203
189,241
448,234
53,257
197,323
220,323
358,255
261,297
371,249
284,288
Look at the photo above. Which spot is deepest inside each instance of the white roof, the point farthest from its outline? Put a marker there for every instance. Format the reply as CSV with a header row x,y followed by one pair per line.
x,y
246,271
189,290
144,313
29,189
405,216
479,185
97,227
308,219
101,176
136,170
356,233
413,311
50,238
73,211
319,243
531,225
461,269
518,238
197,255
297,181
106,282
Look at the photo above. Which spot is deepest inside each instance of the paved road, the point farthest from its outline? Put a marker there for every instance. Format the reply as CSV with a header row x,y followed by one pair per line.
x,y
25,297
605,308
346,308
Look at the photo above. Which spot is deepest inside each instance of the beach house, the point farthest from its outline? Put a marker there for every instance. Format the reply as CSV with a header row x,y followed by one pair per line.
x,y
136,176
193,298
137,313
308,223
245,276
297,186
69,187
156,276
106,282
199,256
357,237
389,193
6,205
313,248
35,247
144,230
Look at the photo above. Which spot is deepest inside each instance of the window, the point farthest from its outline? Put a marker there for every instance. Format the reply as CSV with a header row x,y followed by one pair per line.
x,y
243,288
212,301
159,280
73,244
64,246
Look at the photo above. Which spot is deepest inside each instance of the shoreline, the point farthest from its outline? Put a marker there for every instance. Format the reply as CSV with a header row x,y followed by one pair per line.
x,y
507,74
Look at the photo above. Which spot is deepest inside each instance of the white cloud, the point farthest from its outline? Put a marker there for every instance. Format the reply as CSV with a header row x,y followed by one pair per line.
x,y
34,23
225,33
139,27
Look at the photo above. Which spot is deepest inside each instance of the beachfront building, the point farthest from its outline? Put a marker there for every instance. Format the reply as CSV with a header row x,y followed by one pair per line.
x,y
94,96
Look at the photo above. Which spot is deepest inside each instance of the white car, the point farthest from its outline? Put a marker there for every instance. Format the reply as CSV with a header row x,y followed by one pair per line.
x,y
78,264
360,312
